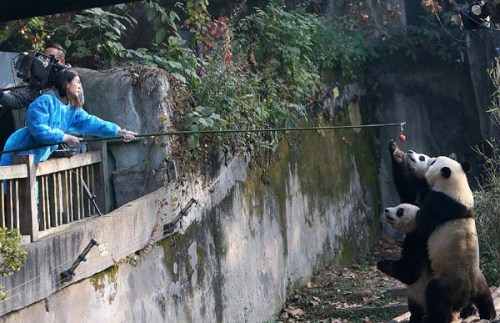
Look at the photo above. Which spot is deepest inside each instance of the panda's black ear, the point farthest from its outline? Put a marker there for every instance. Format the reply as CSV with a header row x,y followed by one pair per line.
x,y
446,172
453,156
466,167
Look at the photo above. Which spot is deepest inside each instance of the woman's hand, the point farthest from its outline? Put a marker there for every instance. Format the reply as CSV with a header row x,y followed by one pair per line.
x,y
71,140
127,135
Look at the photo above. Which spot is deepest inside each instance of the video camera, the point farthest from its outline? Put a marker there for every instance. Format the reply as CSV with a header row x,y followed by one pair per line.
x,y
480,14
37,69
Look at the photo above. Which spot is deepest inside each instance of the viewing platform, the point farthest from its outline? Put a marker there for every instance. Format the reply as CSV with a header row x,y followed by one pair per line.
x,y
43,198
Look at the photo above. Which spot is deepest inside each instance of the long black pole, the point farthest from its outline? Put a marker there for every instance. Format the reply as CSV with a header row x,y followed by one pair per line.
x,y
222,131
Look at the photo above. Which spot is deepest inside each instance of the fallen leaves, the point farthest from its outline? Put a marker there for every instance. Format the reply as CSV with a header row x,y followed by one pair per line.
x,y
358,293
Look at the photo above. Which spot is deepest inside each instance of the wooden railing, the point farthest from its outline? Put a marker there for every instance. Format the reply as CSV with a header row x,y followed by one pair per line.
x,y
43,198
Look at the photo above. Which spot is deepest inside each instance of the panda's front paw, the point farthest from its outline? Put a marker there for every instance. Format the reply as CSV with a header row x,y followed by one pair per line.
x,y
386,266
392,146
469,310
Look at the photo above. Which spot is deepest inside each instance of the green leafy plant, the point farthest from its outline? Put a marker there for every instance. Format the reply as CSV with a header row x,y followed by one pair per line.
x,y
487,208
202,118
12,255
197,11
283,42
274,77
94,36
342,47
161,19
487,212
26,34
429,41
174,55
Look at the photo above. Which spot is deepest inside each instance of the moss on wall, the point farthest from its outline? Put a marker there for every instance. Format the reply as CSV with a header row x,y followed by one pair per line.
x,y
106,277
255,190
176,252
323,162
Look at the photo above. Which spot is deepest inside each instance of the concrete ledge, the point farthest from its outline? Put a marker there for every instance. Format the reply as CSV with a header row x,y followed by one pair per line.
x,y
119,234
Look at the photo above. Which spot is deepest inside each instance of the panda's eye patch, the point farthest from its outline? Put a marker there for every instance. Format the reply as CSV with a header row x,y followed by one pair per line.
x,y
400,213
422,158
433,162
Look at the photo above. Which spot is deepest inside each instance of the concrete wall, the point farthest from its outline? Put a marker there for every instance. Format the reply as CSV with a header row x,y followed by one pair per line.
x,y
258,231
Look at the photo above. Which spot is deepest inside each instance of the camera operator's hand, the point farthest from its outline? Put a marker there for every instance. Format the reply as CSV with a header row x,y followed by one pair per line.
x,y
71,140
126,134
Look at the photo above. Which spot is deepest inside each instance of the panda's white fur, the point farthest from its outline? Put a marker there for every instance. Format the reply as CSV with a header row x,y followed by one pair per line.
x,y
456,186
418,163
457,238
445,220
402,217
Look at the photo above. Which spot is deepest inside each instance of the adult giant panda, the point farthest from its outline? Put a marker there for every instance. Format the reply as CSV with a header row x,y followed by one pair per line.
x,y
445,222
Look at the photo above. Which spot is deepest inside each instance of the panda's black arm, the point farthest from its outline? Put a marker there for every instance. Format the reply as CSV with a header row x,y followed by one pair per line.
x,y
437,209
403,180
401,270
413,260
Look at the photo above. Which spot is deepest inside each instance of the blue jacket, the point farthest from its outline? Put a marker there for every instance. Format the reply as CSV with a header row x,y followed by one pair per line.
x,y
47,120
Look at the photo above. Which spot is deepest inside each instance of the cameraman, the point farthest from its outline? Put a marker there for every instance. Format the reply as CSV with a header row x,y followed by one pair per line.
x,y
22,98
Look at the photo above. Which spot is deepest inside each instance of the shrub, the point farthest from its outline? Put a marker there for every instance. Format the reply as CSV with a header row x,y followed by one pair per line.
x,y
12,255
487,208
487,212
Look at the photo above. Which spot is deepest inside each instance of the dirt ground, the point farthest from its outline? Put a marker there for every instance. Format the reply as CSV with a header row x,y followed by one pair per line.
x,y
359,293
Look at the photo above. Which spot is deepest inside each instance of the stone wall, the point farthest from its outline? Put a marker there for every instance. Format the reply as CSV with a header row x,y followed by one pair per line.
x,y
259,230
136,98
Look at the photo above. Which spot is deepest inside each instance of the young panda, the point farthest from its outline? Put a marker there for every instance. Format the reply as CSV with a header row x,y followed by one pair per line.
x,y
413,266
408,268
445,222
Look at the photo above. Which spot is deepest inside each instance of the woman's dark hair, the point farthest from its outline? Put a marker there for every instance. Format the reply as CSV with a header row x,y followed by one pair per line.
x,y
62,78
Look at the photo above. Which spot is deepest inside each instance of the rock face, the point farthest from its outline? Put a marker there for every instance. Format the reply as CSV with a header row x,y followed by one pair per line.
x,y
483,53
439,108
137,99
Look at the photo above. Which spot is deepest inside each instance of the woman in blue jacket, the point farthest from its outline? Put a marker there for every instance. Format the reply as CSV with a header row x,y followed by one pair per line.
x,y
55,114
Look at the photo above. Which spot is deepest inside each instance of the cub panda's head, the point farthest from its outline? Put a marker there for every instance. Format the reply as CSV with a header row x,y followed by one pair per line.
x,y
449,177
417,163
402,217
